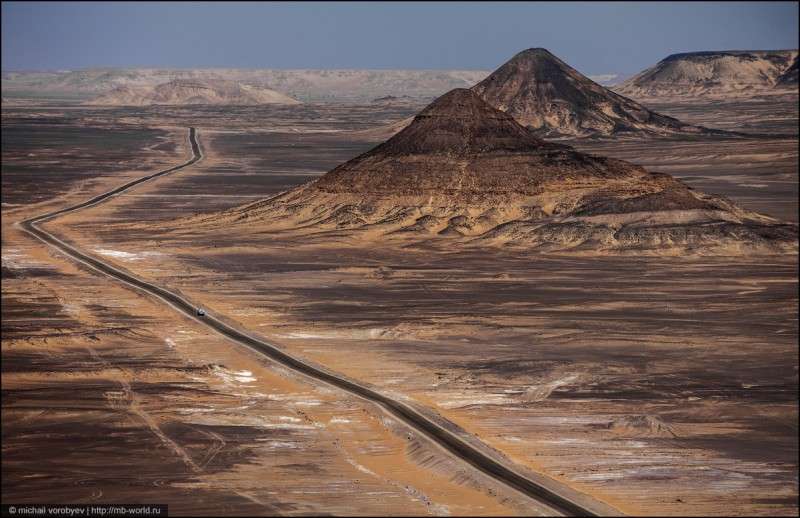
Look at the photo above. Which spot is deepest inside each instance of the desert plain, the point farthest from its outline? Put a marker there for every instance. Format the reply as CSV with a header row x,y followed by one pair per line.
x,y
651,384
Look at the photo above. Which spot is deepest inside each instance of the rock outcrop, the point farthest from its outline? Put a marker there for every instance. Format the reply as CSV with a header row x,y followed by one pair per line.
x,y
545,94
715,73
465,171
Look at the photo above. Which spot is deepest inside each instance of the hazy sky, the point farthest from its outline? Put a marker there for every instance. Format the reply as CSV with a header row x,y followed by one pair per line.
x,y
594,37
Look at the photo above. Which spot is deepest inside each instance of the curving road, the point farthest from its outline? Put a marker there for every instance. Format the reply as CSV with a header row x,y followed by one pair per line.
x,y
550,495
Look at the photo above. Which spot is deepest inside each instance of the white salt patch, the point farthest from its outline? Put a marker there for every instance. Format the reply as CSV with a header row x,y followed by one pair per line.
x,y
304,335
190,411
356,334
287,426
234,376
362,469
281,444
565,441
339,420
467,400
563,420
72,309
294,399
310,402
126,256
14,259
244,377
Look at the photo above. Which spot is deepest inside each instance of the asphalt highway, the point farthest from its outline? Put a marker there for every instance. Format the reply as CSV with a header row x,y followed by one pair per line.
x,y
549,495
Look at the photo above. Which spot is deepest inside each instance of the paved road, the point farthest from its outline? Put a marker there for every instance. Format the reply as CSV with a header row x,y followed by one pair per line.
x,y
551,497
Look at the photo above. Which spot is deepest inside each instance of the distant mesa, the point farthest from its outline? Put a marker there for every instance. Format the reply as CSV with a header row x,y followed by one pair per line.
x,y
192,92
606,79
547,95
716,73
465,171
357,86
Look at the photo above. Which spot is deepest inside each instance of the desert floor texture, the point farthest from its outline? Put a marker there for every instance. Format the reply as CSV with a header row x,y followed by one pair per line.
x,y
656,385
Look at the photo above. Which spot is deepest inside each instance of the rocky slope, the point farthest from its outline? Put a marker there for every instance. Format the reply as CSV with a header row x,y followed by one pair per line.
x,y
184,91
788,79
465,170
544,93
723,73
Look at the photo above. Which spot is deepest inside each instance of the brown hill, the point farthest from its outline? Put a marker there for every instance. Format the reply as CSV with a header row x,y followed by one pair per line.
x,y
192,91
544,93
715,73
467,170
448,149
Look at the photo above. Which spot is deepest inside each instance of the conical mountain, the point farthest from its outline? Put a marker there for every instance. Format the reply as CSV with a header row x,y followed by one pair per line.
x,y
459,122
462,146
545,94
464,169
